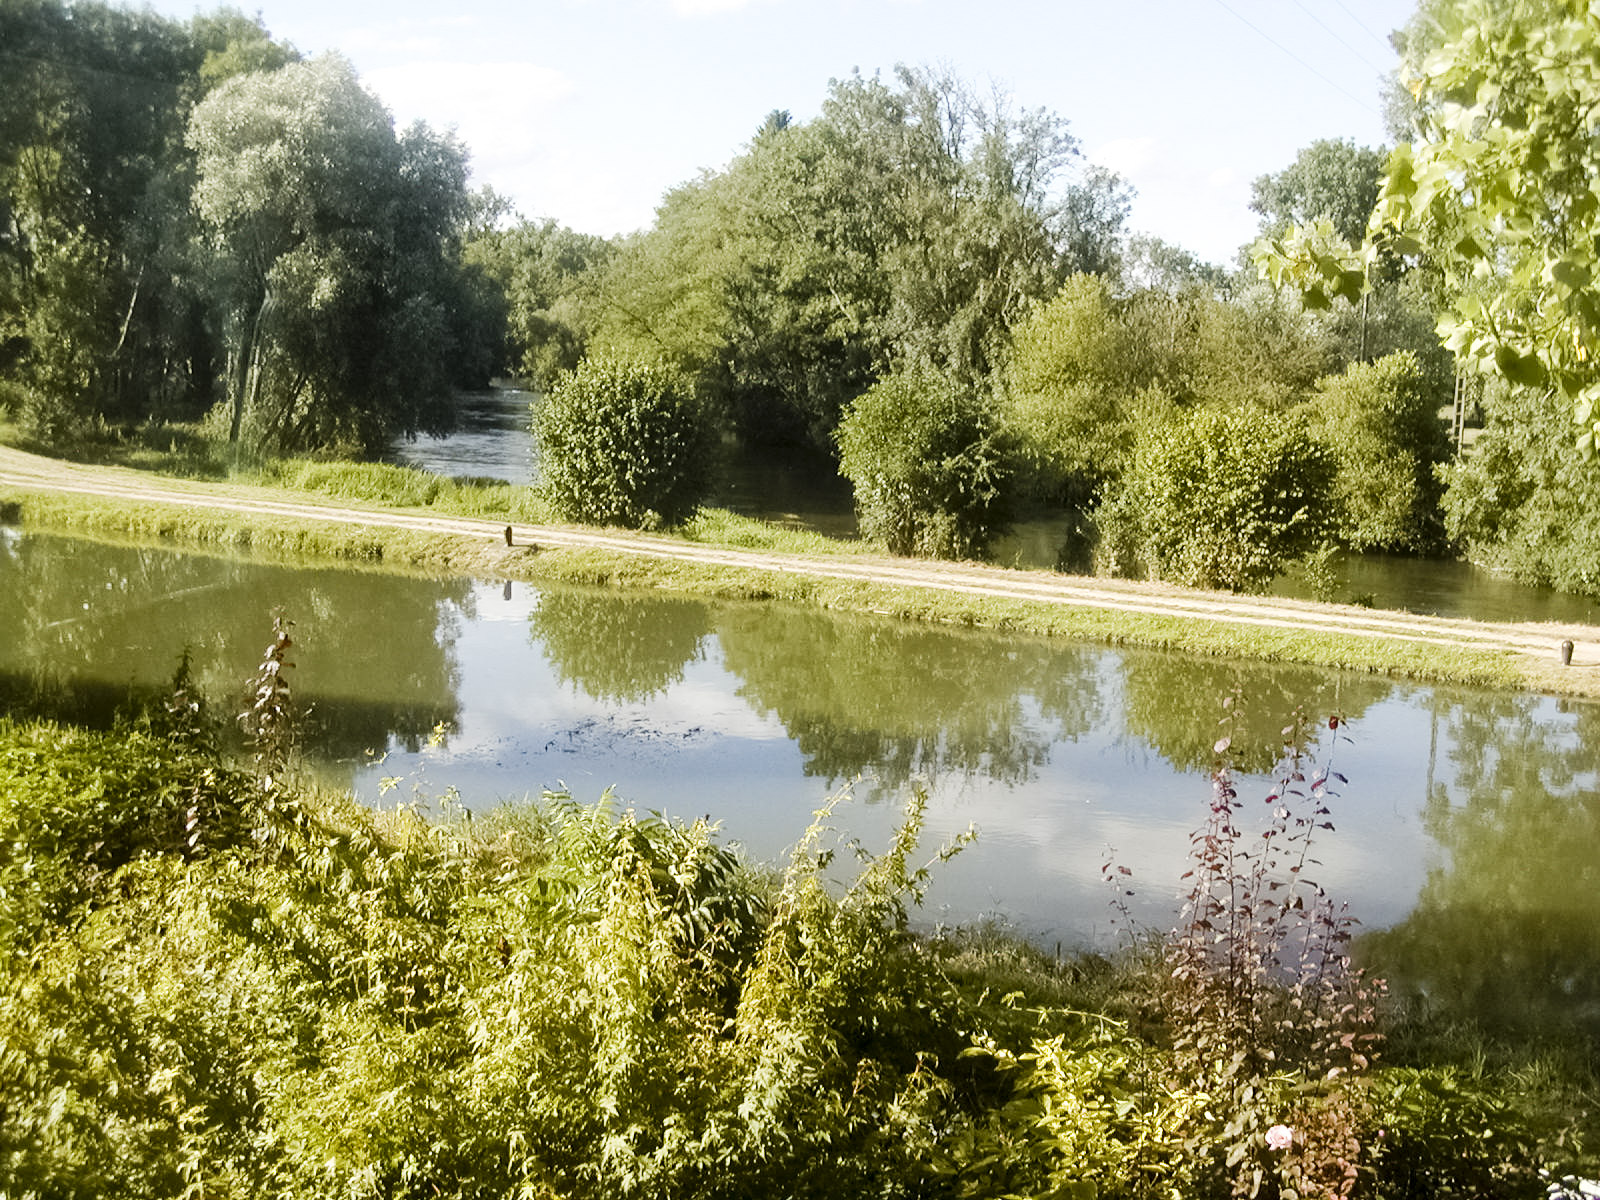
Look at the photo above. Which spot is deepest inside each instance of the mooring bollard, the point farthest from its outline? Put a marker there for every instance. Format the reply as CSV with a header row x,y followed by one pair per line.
x,y
1566,654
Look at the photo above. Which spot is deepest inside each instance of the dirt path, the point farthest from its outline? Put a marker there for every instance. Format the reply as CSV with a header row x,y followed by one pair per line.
x,y
28,472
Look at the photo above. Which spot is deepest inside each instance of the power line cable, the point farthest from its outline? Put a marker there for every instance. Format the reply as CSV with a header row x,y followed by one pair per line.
x,y
1334,34
1291,54
1382,41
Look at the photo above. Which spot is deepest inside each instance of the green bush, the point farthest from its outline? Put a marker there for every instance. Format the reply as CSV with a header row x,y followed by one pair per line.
x,y
928,463
564,1000
1219,499
622,442
76,806
1523,501
1382,425
552,1000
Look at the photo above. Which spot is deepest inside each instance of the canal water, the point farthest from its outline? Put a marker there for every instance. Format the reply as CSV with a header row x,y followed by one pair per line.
x,y
1464,839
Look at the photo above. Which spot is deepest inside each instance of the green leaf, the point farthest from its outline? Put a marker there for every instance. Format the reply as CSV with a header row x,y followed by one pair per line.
x,y
1522,369
1570,275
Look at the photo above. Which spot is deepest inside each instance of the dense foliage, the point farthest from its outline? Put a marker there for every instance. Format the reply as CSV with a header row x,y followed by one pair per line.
x,y
1495,188
1522,502
1382,426
929,465
1492,192
189,214
97,315
1220,498
1489,192
220,983
623,442
543,273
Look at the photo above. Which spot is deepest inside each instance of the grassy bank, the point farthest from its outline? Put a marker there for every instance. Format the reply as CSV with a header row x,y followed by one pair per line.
x,y
389,487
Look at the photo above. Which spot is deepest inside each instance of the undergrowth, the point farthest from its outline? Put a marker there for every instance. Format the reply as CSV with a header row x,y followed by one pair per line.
x,y
222,982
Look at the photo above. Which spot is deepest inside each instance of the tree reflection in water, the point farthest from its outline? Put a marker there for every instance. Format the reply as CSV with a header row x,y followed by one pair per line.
x,y
1506,931
1174,702
95,629
891,701
617,646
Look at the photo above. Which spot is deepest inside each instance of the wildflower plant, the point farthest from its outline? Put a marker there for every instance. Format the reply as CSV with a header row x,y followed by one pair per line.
x,y
1268,1012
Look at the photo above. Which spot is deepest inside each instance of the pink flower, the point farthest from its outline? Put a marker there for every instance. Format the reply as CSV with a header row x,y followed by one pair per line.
x,y
1280,1137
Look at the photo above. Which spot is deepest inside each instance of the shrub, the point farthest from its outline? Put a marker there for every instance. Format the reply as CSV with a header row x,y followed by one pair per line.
x,y
1382,425
1219,499
1523,502
622,442
928,463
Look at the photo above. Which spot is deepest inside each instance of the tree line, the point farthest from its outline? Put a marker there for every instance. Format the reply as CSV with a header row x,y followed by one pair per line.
x,y
924,284
934,289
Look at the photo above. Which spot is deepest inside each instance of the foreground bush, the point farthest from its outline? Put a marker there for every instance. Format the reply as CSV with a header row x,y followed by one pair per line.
x,y
311,998
622,442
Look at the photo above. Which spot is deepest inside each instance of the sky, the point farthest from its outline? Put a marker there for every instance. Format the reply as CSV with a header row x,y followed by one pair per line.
x,y
588,111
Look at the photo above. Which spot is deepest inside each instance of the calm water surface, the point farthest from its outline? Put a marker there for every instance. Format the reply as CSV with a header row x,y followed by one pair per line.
x,y
493,441
1465,838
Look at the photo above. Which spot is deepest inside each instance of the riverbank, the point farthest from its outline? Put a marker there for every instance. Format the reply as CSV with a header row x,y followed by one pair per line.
x,y
448,528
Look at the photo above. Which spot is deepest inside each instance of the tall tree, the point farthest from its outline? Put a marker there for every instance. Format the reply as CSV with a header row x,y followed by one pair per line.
x,y
1329,179
912,222
329,235
546,272
93,315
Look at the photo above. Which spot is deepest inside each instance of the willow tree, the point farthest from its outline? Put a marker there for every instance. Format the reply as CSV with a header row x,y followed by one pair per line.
x,y
328,235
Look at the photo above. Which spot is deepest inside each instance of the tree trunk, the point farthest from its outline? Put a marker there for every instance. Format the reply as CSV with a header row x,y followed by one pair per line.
x,y
245,386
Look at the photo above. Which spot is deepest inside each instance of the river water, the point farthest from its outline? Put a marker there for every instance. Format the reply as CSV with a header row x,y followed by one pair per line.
x,y
1464,839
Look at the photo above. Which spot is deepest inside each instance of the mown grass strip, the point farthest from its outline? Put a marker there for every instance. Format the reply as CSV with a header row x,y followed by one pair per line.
x,y
1387,656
